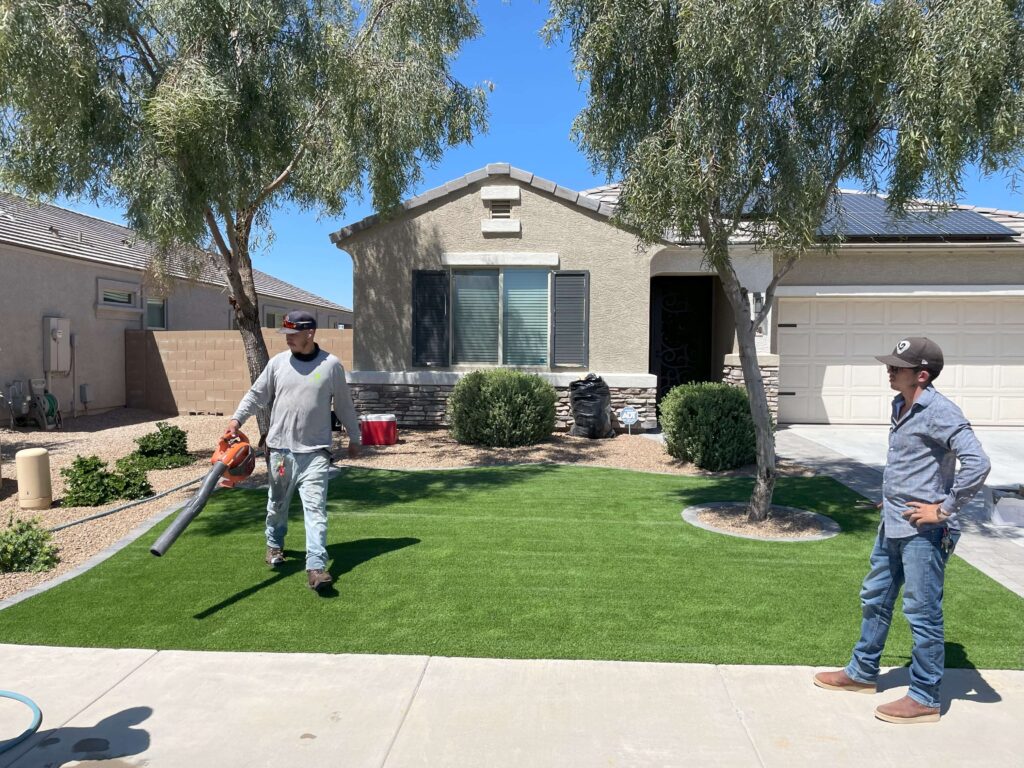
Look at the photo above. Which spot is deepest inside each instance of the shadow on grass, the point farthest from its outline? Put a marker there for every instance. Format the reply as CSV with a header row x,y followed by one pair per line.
x,y
369,490
344,557
961,681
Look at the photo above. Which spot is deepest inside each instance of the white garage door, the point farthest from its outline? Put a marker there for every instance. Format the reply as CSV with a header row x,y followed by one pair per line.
x,y
828,373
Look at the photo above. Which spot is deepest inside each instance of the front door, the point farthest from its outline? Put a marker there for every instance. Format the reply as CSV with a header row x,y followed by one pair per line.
x,y
681,322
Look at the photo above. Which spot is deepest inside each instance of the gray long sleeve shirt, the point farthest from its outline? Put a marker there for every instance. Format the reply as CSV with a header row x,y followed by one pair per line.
x,y
302,391
921,466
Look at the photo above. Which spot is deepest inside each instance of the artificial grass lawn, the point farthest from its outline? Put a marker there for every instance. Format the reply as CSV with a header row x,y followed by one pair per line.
x,y
514,562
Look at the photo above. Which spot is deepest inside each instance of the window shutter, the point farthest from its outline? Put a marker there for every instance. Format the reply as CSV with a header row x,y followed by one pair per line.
x,y
475,310
569,318
429,318
526,317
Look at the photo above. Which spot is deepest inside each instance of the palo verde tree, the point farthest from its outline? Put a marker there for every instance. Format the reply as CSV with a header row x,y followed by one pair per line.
x,y
198,117
736,119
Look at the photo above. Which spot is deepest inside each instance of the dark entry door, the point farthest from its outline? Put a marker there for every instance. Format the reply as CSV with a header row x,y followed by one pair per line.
x,y
681,322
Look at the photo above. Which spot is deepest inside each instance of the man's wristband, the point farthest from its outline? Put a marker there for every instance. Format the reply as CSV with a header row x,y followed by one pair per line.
x,y
943,515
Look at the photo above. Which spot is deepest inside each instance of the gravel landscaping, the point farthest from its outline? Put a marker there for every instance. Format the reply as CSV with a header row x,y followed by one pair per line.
x,y
112,435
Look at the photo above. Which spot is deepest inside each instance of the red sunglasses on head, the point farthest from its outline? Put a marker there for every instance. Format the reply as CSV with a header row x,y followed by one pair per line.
x,y
292,326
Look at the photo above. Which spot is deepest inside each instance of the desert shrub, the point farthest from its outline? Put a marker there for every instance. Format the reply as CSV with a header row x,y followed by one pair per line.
x,y
26,546
501,408
90,483
129,482
709,424
166,448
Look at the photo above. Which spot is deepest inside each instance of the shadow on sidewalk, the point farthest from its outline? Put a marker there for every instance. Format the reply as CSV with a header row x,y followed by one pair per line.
x,y
110,738
961,681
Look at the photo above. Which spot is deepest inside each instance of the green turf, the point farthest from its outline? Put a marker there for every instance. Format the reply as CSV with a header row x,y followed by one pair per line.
x,y
515,562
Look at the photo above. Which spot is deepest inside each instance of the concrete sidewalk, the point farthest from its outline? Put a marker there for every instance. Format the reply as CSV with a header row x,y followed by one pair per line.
x,y
174,708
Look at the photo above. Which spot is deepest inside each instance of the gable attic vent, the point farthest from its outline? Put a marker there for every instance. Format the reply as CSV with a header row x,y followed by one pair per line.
x,y
501,209
499,200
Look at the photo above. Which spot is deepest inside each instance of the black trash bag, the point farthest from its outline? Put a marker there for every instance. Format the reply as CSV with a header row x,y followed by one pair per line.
x,y
591,402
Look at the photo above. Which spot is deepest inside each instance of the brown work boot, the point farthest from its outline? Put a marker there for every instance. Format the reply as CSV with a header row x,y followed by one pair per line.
x,y
840,681
318,579
907,710
275,556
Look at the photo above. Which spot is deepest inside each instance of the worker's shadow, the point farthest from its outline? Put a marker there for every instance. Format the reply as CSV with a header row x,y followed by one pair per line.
x,y
960,681
110,738
343,557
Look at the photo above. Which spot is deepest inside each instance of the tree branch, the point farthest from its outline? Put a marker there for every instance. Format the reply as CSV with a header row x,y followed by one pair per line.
x,y
282,177
218,238
769,293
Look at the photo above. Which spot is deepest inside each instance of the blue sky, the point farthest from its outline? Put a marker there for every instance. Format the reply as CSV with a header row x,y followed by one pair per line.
x,y
534,102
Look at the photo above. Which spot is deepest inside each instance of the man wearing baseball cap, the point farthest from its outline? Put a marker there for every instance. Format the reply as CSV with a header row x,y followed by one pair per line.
x,y
299,386
922,492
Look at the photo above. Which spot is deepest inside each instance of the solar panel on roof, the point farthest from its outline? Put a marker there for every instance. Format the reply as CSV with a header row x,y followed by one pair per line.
x,y
865,215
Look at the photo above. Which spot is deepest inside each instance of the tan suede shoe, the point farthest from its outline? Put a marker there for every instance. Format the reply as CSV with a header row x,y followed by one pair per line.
x,y
906,710
840,681
318,579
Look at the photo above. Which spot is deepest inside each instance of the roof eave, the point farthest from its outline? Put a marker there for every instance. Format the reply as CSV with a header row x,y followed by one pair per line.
x,y
591,204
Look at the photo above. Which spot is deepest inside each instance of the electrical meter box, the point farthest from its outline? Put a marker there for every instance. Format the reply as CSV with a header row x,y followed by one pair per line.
x,y
56,345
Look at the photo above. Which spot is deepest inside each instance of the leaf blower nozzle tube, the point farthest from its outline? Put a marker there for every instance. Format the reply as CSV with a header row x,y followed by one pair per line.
x,y
233,461
189,511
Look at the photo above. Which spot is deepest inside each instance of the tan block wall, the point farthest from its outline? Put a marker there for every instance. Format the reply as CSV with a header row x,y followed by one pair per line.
x,y
34,285
189,372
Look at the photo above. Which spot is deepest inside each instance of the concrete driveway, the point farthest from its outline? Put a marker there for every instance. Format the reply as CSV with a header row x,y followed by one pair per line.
x,y
855,456
868,444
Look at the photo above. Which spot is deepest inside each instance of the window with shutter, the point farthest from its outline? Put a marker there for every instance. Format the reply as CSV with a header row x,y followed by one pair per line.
x,y
569,319
430,318
475,315
525,326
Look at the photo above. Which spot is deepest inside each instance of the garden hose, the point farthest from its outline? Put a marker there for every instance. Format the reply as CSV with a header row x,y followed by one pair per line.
x,y
37,719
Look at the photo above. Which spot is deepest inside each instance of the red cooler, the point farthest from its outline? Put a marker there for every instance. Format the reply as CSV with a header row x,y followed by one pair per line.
x,y
379,429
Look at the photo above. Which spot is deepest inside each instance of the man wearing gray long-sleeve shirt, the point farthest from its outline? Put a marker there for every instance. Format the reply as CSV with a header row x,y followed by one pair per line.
x,y
300,385
922,492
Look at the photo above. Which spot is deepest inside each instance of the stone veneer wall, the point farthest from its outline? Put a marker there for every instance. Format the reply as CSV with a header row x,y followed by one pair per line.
x,y
733,374
419,405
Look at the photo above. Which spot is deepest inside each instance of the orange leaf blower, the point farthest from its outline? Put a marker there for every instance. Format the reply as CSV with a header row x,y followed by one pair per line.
x,y
233,461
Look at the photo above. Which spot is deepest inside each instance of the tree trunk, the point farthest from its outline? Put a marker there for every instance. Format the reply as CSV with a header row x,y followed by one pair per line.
x,y
256,357
764,483
237,269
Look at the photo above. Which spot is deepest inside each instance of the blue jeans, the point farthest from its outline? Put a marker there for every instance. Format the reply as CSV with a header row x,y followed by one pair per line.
x,y
918,564
308,473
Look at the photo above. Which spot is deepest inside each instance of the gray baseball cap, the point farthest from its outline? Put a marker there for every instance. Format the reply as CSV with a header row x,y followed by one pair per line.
x,y
914,352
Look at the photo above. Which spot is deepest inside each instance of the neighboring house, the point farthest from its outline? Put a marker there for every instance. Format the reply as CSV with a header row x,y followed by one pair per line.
x,y
501,267
56,263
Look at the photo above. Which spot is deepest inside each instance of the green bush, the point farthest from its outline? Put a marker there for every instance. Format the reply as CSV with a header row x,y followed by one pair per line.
x,y
26,546
145,463
90,484
166,448
130,482
709,425
500,408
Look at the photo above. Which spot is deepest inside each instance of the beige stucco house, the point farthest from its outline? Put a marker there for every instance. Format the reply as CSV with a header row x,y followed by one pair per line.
x,y
74,276
502,267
